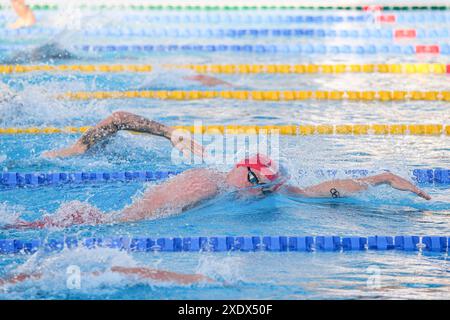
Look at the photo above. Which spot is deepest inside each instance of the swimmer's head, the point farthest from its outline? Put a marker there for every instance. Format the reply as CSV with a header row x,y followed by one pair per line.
x,y
257,173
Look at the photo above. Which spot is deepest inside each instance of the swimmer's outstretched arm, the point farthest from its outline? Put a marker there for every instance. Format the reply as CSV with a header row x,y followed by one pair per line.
x,y
347,187
122,120
140,272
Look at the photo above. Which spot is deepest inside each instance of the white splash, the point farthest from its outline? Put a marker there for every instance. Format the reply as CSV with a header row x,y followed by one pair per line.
x,y
94,266
225,269
9,214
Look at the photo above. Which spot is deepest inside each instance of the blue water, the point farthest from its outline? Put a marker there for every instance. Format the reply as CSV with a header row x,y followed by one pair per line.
x,y
238,275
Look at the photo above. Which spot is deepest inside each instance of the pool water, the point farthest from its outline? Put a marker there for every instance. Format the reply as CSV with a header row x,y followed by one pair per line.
x,y
240,275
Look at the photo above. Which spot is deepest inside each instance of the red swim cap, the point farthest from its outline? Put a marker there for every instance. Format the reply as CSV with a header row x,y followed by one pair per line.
x,y
263,164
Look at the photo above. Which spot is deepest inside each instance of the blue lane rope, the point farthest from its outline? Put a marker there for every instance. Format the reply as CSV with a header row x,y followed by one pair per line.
x,y
247,18
410,18
225,244
261,48
367,49
210,17
400,18
238,33
16,179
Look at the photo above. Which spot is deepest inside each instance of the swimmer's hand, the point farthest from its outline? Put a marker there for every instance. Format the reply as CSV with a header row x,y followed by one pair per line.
x,y
182,141
74,150
404,185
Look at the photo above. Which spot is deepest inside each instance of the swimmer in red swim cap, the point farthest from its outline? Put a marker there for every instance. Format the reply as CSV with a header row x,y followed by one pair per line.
x,y
262,172
257,174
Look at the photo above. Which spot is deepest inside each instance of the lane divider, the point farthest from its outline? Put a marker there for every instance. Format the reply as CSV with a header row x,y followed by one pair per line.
x,y
408,68
266,18
230,244
307,49
301,130
272,95
184,33
17,179
369,49
436,68
439,177
142,7
414,18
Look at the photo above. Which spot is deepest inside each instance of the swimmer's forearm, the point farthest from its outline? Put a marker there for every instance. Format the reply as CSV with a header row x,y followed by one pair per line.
x,y
129,121
123,121
347,187
117,121
329,189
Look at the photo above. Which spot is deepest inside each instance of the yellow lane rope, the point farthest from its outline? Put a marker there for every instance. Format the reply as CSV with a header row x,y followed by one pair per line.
x,y
436,68
345,129
424,68
273,95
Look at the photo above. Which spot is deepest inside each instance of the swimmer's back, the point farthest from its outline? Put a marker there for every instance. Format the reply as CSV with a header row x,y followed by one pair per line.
x,y
176,194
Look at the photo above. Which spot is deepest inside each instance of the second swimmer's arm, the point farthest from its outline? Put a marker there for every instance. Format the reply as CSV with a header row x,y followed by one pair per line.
x,y
126,121
117,121
208,80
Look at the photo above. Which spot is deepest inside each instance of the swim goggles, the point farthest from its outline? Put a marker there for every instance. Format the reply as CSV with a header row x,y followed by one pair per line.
x,y
253,179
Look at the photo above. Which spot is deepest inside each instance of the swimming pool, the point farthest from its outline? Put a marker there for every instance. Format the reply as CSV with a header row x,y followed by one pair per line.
x,y
259,275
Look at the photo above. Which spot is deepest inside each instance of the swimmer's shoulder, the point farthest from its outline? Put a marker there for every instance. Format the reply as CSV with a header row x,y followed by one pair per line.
x,y
204,172
208,178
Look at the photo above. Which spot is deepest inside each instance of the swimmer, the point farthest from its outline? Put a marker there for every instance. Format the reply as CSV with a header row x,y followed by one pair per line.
x,y
49,53
25,18
256,175
208,80
142,273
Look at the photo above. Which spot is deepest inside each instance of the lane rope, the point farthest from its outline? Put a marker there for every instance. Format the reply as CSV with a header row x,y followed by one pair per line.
x,y
35,179
229,244
439,177
307,49
385,19
387,34
396,68
272,95
299,130
142,7
368,49
409,68
279,19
